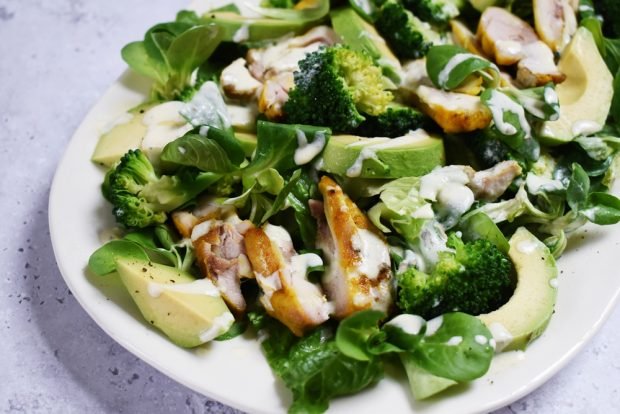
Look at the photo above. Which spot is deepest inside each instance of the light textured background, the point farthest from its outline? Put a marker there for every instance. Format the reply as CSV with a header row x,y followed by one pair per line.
x,y
56,58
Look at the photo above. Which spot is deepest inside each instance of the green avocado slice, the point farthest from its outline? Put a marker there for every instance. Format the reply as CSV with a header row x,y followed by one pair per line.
x,y
526,315
414,154
124,136
586,94
189,311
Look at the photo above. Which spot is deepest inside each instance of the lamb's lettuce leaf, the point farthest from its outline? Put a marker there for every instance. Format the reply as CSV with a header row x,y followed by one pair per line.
x,y
313,367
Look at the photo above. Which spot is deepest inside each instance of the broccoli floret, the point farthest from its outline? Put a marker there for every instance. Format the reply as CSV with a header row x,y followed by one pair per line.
x,y
435,11
396,121
141,198
334,87
610,10
408,36
476,278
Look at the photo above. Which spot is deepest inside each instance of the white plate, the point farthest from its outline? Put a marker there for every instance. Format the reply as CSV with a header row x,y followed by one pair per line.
x,y
235,372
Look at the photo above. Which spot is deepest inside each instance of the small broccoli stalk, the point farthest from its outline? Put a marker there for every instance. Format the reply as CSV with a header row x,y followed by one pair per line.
x,y
474,278
334,88
438,12
142,198
395,122
408,36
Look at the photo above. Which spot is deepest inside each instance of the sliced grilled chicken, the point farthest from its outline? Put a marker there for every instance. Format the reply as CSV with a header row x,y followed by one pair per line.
x,y
510,40
466,38
490,184
274,66
285,55
206,209
275,94
454,112
555,22
237,81
287,295
503,35
221,256
358,274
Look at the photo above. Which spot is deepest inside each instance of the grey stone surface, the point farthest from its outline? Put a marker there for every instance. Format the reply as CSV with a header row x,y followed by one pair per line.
x,y
56,59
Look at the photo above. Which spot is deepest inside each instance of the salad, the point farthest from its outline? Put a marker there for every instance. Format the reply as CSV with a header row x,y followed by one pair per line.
x,y
364,183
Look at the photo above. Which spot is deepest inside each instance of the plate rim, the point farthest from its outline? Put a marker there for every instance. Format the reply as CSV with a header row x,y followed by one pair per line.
x,y
90,308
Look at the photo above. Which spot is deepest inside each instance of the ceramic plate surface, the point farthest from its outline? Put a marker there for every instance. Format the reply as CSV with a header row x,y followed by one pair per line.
x,y
235,372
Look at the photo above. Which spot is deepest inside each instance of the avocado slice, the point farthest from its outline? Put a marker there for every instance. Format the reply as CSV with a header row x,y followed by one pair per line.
x,y
124,136
189,311
586,94
362,36
423,384
526,315
414,154
247,141
237,28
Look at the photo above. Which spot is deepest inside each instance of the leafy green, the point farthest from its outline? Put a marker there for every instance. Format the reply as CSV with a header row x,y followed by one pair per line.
x,y
195,150
103,260
454,346
312,367
170,52
448,66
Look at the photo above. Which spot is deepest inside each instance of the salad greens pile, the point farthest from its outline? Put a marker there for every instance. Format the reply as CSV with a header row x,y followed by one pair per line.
x,y
383,155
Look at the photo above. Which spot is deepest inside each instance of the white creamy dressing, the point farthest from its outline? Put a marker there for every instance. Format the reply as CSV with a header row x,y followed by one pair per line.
x,y
207,107
501,336
355,170
456,60
433,325
409,324
415,75
455,341
481,339
551,96
527,246
307,151
279,236
164,124
500,103
369,149
373,252
433,240
536,184
448,187
361,300
585,128
302,262
424,212
411,259
203,287
554,283
242,34
219,325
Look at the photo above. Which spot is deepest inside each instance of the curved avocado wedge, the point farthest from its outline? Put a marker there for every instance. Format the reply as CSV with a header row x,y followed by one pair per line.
x,y
414,154
189,311
586,94
526,315
123,137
